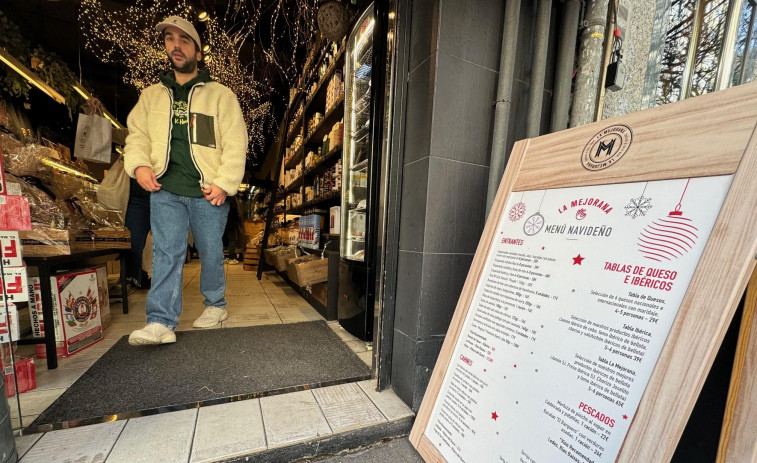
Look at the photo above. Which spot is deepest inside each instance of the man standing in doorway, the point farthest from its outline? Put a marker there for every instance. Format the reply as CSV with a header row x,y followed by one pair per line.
x,y
186,146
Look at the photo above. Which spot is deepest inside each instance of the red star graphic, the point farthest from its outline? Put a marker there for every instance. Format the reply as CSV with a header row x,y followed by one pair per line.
x,y
625,417
578,260
495,416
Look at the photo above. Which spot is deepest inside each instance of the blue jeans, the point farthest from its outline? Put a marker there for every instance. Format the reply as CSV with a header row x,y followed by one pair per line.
x,y
138,222
171,217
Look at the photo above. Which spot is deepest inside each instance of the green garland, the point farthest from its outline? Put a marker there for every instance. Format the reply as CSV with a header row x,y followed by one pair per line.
x,y
56,74
47,65
11,83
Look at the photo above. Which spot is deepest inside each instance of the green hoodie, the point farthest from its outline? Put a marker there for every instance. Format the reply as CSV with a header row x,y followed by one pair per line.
x,y
181,177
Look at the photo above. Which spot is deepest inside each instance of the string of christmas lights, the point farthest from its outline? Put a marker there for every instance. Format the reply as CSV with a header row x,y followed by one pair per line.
x,y
128,36
298,24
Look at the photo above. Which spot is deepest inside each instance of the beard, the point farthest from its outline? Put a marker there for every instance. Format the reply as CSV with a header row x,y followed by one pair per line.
x,y
189,66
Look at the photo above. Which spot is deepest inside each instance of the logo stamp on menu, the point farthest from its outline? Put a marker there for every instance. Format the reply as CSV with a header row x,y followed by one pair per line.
x,y
606,147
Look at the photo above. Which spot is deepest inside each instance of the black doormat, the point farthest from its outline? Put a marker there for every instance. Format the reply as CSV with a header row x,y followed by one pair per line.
x,y
205,368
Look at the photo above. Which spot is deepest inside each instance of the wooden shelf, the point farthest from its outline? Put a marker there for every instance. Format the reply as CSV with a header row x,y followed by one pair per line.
x,y
296,128
295,184
292,163
325,126
319,95
323,199
328,159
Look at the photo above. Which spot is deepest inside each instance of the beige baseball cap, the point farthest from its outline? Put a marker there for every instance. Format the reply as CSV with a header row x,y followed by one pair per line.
x,y
182,24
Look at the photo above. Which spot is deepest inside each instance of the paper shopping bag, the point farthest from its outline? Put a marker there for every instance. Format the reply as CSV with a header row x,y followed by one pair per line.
x,y
93,138
113,191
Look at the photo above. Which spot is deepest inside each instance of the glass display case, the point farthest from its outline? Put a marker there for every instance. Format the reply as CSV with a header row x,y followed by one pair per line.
x,y
356,153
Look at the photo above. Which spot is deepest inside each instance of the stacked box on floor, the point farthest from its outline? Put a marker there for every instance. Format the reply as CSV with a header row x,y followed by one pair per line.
x,y
76,312
103,295
26,376
38,322
13,277
12,281
35,308
252,257
14,215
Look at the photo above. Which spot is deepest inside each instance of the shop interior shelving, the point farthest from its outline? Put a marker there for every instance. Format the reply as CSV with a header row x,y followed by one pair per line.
x,y
315,102
312,98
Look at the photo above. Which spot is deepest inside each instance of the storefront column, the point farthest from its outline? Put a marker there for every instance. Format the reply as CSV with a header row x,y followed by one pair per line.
x,y
450,86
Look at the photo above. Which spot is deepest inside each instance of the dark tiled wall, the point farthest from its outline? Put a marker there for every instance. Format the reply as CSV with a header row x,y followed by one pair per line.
x,y
451,89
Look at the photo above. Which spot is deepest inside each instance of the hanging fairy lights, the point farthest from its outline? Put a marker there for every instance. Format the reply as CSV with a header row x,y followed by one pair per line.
x,y
294,22
128,36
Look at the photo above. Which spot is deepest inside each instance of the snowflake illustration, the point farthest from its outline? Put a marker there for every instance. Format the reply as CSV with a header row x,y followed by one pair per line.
x,y
638,206
517,211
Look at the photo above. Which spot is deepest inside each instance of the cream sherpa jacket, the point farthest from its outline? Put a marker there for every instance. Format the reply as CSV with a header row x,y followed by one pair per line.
x,y
220,158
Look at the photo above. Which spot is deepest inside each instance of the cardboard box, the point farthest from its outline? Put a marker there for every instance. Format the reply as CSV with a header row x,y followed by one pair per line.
x,y
114,267
15,282
13,315
310,231
335,220
35,308
253,227
14,213
252,255
10,249
102,293
13,188
76,312
3,190
41,242
25,376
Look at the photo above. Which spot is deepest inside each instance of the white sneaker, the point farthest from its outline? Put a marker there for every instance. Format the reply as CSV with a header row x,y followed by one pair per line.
x,y
152,334
211,317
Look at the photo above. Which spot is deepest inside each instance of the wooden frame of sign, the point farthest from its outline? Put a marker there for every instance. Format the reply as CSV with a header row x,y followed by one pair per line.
x,y
710,135
738,441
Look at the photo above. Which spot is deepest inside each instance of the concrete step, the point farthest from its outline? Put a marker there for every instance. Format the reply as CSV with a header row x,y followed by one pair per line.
x,y
282,428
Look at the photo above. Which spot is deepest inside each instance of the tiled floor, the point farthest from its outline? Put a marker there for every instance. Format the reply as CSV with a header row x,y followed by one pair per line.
x,y
215,432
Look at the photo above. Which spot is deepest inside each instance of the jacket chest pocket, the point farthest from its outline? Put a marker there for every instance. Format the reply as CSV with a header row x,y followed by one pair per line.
x,y
202,129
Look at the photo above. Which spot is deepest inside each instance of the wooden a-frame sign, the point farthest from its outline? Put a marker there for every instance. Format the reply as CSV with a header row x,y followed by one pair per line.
x,y
609,269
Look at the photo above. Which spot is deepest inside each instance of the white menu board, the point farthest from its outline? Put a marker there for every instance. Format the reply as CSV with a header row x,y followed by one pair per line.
x,y
577,296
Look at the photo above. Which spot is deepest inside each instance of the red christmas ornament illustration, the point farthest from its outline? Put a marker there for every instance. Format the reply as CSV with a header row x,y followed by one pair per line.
x,y
518,210
670,237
